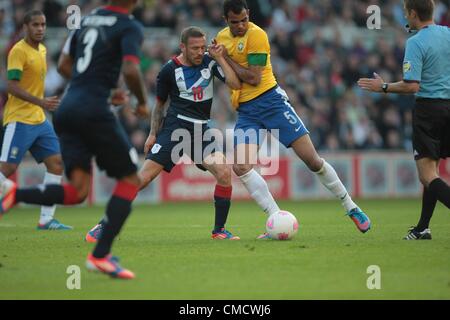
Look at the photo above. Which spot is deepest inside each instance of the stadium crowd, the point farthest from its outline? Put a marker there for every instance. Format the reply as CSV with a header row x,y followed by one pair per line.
x,y
319,51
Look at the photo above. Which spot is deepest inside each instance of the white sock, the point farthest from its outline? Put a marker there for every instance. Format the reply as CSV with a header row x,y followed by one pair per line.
x,y
329,178
259,191
2,178
47,213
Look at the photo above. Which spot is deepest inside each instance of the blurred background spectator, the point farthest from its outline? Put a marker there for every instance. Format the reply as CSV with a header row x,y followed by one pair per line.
x,y
319,50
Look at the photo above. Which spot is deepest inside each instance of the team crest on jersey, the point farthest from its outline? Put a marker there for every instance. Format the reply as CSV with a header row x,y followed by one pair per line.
x,y
156,148
406,66
240,46
206,73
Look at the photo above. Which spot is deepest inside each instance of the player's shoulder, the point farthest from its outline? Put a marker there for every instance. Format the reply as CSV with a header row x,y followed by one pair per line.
x,y
223,34
135,24
255,30
416,42
168,67
19,47
207,59
42,48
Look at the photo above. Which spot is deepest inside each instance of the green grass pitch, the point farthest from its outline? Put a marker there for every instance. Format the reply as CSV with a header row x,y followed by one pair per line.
x,y
169,248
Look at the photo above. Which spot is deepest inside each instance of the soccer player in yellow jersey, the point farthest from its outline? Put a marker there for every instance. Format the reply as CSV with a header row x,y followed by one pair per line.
x,y
25,125
262,104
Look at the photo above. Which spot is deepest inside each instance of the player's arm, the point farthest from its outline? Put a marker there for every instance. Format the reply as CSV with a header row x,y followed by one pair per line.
x,y
378,85
131,46
16,62
231,79
250,75
65,63
135,82
412,73
49,103
66,58
155,124
163,87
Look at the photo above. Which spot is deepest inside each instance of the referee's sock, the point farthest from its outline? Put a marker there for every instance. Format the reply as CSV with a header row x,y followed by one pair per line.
x,y
429,201
441,190
222,203
117,211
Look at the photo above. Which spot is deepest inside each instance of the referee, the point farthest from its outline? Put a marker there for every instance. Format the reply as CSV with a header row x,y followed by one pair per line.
x,y
426,73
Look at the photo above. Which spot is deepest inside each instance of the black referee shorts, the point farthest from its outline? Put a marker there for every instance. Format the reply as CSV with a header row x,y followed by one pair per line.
x,y
431,129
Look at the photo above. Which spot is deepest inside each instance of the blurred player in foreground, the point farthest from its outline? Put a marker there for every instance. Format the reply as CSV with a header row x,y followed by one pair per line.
x,y
109,41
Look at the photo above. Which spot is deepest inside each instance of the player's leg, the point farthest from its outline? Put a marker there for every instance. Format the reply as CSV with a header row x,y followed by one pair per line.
x,y
279,114
12,143
158,159
77,163
431,137
148,172
15,143
6,170
422,231
117,211
305,150
115,155
216,164
254,183
246,141
429,177
46,149
46,195
53,175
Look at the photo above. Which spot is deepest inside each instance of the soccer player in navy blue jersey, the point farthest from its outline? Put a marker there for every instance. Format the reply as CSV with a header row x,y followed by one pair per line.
x,y
426,73
188,82
108,41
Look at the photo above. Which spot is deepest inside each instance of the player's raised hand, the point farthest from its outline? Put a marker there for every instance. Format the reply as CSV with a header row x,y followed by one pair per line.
x,y
142,111
119,97
151,140
50,103
374,85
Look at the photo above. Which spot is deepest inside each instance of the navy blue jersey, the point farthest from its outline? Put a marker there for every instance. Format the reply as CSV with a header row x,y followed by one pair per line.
x,y
107,37
190,88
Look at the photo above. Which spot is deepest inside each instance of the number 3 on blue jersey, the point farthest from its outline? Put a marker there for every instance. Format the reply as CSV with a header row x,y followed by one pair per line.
x,y
89,40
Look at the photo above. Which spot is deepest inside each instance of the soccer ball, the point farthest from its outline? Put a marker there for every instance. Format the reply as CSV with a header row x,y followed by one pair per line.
x,y
282,225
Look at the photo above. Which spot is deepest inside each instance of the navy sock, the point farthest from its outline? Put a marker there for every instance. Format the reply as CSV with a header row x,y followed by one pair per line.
x,y
222,203
48,196
117,211
441,190
429,201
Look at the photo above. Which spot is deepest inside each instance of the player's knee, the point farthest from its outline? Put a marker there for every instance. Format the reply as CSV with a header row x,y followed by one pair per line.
x,y
8,169
82,193
145,178
56,166
314,164
223,176
241,169
426,179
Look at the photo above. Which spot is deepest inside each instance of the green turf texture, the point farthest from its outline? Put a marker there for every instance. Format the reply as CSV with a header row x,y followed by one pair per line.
x,y
169,248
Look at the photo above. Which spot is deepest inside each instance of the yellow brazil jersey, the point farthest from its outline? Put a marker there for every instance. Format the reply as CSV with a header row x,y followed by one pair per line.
x,y
29,67
251,49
